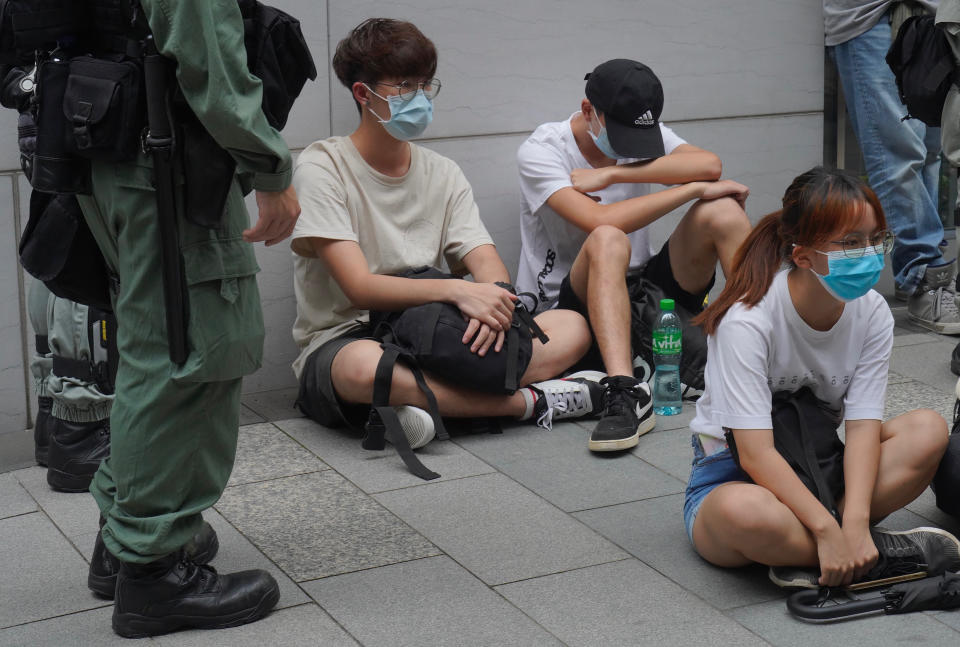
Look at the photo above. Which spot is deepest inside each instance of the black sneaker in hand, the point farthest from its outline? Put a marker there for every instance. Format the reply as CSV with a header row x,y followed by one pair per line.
x,y
627,414
910,551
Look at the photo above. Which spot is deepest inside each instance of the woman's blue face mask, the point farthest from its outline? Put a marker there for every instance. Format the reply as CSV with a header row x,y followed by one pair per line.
x,y
851,278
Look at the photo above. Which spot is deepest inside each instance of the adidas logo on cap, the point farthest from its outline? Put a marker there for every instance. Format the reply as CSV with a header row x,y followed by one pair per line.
x,y
646,119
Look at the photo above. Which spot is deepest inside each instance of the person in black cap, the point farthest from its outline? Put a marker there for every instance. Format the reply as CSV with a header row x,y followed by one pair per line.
x,y
587,194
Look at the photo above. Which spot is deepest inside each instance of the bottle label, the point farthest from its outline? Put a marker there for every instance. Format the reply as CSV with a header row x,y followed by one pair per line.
x,y
666,342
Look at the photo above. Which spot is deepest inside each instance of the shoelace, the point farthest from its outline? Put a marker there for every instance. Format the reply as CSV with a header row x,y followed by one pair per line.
x,y
620,398
946,305
898,556
568,399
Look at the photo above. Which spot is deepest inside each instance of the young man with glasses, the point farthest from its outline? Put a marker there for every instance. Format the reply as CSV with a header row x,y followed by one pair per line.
x,y
375,205
588,196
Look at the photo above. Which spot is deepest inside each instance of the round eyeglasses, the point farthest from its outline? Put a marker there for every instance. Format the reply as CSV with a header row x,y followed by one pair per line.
x,y
408,90
855,245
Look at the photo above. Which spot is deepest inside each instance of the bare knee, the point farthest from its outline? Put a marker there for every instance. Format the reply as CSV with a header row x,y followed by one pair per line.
x,y
753,514
570,339
929,433
720,217
607,244
353,370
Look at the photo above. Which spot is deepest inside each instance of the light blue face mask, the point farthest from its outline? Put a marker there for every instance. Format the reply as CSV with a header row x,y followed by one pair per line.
x,y
851,278
408,119
603,143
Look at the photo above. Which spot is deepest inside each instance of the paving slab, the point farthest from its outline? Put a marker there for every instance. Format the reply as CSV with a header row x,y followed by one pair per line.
x,y
318,524
273,405
915,394
378,471
14,500
678,421
907,338
43,576
306,625
927,363
668,450
895,378
497,529
248,416
653,532
75,513
431,601
565,472
926,507
772,621
623,603
84,628
264,452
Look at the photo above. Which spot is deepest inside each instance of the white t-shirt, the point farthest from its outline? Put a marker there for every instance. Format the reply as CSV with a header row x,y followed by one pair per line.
x,y
768,348
426,217
549,243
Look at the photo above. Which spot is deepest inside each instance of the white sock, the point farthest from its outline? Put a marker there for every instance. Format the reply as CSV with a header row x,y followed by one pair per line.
x,y
529,399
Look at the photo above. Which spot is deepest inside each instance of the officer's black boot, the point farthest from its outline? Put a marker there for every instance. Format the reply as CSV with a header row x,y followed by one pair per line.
x,y
175,593
76,449
41,429
102,578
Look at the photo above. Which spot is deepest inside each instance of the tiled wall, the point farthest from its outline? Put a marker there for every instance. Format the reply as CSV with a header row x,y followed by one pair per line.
x,y
743,78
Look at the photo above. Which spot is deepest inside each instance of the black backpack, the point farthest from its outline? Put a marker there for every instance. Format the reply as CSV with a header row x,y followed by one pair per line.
x,y
924,67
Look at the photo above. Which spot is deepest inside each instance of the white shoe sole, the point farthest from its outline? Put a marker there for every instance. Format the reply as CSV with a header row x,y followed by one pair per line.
x,y
942,328
623,443
417,425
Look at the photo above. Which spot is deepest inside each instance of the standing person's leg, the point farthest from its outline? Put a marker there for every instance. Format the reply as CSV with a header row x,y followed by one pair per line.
x,y
174,428
40,363
898,163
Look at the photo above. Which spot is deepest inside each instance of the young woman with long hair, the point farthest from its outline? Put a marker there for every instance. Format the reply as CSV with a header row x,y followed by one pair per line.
x,y
799,311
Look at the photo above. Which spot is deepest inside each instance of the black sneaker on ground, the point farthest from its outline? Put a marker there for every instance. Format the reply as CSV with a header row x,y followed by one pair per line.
x,y
76,449
176,593
627,414
104,567
906,552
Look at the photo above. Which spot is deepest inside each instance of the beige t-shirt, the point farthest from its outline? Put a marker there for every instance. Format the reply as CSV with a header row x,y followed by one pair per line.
x,y
426,217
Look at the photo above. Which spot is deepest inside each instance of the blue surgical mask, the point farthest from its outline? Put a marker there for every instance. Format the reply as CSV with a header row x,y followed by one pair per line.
x,y
851,278
603,143
408,119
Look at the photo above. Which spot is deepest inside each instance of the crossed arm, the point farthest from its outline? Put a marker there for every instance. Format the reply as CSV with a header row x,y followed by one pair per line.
x,y
487,307
846,551
695,172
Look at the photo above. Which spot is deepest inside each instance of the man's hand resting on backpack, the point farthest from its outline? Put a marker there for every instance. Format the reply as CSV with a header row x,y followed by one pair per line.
x,y
489,310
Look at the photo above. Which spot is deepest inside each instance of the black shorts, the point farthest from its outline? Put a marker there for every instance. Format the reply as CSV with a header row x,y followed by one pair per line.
x,y
658,271
317,398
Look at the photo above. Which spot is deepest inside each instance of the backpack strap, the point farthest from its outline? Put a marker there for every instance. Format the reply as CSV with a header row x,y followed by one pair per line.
x,y
802,451
383,423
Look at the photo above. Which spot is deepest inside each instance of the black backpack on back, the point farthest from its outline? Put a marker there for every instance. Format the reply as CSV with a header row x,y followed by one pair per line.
x,y
922,63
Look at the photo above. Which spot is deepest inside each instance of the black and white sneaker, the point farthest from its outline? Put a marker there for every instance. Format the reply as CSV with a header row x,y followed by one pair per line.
x,y
627,414
574,396
417,425
906,552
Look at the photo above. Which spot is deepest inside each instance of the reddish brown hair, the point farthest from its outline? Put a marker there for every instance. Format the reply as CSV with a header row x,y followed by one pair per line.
x,y
817,204
383,48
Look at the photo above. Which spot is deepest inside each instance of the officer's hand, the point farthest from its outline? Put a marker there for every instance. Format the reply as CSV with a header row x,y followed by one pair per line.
x,y
279,211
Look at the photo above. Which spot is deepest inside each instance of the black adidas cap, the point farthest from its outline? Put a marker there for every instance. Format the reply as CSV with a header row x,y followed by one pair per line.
x,y
630,97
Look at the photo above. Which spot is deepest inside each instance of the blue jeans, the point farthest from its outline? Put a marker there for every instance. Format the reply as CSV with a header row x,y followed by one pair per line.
x,y
706,474
902,158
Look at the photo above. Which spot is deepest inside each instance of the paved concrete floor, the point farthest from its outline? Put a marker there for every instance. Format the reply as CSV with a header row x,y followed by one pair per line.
x,y
527,539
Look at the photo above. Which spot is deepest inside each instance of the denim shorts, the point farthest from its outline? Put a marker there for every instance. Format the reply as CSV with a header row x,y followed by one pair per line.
x,y
707,473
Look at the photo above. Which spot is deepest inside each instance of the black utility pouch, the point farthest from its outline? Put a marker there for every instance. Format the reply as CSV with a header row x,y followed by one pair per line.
x,y
58,248
104,108
55,169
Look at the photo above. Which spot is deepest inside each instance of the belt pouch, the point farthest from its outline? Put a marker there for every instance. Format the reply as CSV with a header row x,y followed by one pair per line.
x,y
55,170
103,106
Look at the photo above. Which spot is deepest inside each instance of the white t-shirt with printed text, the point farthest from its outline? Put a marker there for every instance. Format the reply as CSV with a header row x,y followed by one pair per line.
x,y
425,217
550,243
768,348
